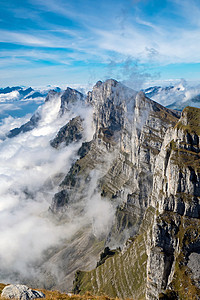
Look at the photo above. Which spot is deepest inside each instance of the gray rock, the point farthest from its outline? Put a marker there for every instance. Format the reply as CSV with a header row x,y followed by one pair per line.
x,y
71,132
20,292
68,98
31,124
194,265
129,131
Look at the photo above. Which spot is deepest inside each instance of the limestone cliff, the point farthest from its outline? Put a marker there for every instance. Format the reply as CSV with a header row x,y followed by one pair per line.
x,y
71,132
133,186
131,128
175,243
128,136
162,260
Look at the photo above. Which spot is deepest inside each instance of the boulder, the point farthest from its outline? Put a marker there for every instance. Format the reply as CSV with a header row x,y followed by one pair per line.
x,y
20,292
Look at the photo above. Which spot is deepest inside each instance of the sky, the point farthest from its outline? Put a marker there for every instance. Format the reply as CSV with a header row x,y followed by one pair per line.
x,y
58,42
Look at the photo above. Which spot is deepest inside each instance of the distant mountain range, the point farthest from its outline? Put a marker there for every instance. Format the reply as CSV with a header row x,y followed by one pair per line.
x,y
17,101
175,96
19,93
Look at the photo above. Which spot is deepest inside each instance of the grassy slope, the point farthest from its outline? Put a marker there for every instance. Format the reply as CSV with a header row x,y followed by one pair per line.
x,y
123,275
193,120
55,295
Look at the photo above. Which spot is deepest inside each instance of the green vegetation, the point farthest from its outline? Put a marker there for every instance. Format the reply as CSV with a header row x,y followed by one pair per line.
x,y
192,115
122,275
182,284
165,115
55,295
186,158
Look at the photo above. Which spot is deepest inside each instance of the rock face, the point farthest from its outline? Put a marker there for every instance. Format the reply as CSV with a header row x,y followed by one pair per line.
x,y
25,127
71,132
143,162
163,257
20,292
175,239
70,96
129,132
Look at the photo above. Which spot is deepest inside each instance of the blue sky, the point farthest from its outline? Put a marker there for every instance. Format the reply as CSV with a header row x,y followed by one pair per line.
x,y
81,41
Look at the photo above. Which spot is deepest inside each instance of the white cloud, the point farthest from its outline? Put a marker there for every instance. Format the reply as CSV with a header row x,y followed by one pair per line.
x,y
28,165
39,39
14,95
101,35
180,92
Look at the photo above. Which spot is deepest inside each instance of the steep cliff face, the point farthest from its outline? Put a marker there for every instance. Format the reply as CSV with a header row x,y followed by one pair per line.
x,y
164,255
118,163
133,184
175,243
129,130
71,132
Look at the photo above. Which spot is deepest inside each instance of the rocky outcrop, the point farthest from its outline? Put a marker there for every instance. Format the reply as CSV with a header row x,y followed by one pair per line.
x,y
20,292
68,98
33,123
71,132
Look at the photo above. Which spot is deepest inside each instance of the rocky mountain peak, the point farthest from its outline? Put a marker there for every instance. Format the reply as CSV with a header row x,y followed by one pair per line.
x,y
70,97
110,91
51,94
108,83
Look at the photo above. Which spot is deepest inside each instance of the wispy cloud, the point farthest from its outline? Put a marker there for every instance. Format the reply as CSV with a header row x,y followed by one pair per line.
x,y
38,39
165,33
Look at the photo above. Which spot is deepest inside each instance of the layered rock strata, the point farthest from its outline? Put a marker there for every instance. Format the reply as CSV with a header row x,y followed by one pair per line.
x,y
171,244
129,132
144,162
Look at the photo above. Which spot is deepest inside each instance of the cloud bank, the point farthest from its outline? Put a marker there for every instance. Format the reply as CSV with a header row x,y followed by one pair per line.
x,y
30,172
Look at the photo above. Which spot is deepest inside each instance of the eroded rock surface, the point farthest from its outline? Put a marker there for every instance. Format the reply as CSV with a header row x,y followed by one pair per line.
x,y
129,132
171,191
20,292
71,132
